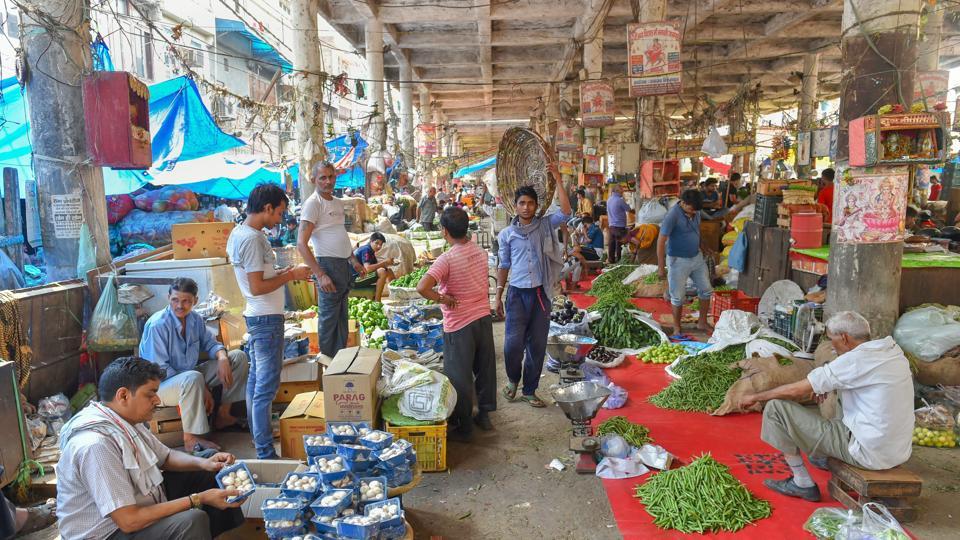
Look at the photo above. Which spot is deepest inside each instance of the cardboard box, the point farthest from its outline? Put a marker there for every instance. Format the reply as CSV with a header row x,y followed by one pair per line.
x,y
228,329
304,368
291,389
167,425
200,240
304,416
353,334
267,471
350,385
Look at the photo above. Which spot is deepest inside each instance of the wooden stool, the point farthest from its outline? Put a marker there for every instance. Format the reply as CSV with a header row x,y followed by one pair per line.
x,y
894,488
167,425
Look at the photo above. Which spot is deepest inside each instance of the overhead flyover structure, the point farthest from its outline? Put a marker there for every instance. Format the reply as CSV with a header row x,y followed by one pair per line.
x,y
486,64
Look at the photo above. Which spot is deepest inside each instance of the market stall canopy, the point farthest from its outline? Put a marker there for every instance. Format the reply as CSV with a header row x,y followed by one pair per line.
x,y
260,49
476,167
345,153
181,128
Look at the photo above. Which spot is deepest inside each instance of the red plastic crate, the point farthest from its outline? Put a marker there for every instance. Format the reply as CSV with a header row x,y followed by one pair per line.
x,y
724,300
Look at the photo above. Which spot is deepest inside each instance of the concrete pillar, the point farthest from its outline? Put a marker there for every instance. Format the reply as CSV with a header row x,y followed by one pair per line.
x,y
866,277
374,44
406,116
308,116
653,125
441,136
929,46
593,69
808,101
65,177
566,94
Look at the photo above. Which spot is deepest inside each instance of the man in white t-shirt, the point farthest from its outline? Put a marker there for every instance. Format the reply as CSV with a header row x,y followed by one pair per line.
x,y
262,285
875,387
322,229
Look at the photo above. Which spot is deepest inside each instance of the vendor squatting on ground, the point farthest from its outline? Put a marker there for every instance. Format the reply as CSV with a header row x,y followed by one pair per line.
x,y
531,257
876,395
173,339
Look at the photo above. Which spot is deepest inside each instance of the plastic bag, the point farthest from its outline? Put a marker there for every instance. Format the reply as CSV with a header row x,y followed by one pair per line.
x,y
825,523
53,407
928,332
651,212
737,259
613,445
936,417
113,326
878,524
762,347
735,326
433,401
618,397
714,146
38,430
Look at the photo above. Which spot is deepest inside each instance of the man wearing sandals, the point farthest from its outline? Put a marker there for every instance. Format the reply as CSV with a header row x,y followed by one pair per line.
x,y
532,258
173,338
117,481
469,353
16,521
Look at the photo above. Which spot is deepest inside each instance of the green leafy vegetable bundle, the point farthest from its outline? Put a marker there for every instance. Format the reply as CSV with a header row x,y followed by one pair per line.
x,y
705,379
700,497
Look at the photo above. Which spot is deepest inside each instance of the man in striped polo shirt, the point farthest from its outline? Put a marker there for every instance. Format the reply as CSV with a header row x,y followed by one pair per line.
x,y
469,354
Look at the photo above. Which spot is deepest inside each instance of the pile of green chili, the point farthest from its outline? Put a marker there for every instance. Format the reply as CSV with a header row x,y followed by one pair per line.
x,y
612,279
700,497
634,434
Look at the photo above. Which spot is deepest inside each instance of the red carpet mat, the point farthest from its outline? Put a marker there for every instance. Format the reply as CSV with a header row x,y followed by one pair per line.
x,y
732,440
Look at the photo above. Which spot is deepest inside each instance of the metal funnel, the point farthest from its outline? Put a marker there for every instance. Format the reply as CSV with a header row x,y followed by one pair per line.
x,y
580,401
566,348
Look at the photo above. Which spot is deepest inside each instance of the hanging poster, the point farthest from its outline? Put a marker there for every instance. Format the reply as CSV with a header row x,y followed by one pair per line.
x,y
870,204
653,59
803,148
685,148
820,143
956,115
931,85
742,142
67,212
568,137
592,165
597,106
428,139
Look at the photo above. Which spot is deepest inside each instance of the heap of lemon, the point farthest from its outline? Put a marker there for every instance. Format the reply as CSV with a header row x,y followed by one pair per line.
x,y
933,437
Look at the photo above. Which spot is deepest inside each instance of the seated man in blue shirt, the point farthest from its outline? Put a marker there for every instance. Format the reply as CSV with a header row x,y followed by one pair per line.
x,y
679,257
532,258
591,241
367,256
173,338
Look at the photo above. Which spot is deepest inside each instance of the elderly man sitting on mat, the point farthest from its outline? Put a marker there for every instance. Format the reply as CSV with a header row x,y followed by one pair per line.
x,y
876,396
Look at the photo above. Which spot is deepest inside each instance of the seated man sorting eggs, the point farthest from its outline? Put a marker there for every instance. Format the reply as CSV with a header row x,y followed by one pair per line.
x,y
116,481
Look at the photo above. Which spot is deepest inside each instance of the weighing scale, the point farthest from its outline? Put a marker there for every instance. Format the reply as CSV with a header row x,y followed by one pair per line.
x,y
580,401
570,350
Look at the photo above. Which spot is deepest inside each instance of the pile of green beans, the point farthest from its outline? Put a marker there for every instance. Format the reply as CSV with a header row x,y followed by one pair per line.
x,y
634,434
705,379
700,497
788,345
612,279
617,328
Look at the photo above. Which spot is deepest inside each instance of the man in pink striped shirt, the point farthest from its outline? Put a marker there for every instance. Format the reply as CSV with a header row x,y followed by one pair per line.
x,y
469,354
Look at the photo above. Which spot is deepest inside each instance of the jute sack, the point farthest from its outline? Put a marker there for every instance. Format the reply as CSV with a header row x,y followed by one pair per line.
x,y
944,370
762,373
830,406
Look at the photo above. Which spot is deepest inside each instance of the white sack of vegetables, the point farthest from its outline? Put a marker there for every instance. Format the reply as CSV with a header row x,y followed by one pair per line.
x,y
928,332
432,402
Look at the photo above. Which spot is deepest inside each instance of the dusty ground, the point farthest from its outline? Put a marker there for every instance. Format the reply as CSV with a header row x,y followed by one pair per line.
x,y
498,486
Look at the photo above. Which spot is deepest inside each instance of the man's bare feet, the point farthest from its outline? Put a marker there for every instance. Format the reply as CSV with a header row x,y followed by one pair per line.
x,y
224,419
190,442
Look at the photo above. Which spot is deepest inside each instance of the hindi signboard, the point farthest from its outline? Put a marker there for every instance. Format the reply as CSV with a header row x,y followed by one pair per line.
x,y
597,106
653,59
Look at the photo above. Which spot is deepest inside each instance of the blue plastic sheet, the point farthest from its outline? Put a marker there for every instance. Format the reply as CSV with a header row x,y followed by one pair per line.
x,y
261,50
479,166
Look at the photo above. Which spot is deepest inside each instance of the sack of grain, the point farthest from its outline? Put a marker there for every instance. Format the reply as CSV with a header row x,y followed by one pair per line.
x,y
762,373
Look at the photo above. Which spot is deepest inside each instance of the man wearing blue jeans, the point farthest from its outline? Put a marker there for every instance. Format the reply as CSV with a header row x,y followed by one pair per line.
x,y
531,257
679,257
325,247
261,283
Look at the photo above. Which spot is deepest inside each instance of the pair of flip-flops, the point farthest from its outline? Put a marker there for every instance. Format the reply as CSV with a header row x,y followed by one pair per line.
x,y
39,517
510,393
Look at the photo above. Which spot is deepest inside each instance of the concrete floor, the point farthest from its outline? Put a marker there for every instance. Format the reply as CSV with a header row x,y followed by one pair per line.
x,y
499,487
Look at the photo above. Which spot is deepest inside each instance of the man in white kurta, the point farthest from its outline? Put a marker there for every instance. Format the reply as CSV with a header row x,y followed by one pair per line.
x,y
875,388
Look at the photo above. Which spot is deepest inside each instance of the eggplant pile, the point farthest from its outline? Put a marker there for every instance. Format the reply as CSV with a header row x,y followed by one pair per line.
x,y
567,313
602,355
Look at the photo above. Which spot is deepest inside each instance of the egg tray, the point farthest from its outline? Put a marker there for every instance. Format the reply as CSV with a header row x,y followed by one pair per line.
x,y
373,445
231,469
296,493
383,482
357,532
282,514
333,511
319,449
391,523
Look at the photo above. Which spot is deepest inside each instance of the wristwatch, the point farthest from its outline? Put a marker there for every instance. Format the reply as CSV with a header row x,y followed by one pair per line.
x,y
195,501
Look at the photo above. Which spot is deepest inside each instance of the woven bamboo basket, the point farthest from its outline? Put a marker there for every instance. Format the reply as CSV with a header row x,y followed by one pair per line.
x,y
523,160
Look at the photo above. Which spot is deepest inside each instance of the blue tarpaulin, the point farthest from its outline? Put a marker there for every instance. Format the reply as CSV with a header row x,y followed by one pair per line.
x,y
260,49
345,152
479,166
180,125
